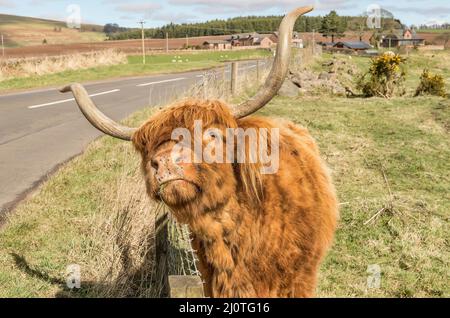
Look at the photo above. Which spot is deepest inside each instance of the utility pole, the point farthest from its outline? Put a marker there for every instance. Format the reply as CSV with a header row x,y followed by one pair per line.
x,y
167,42
187,41
143,41
3,47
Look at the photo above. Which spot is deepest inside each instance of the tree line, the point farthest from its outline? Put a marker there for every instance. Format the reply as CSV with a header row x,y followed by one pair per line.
x,y
444,26
331,25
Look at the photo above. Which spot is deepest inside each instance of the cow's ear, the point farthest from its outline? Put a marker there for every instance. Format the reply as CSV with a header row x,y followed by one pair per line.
x,y
139,140
249,176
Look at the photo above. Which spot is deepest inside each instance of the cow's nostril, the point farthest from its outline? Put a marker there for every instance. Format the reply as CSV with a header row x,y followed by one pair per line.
x,y
154,164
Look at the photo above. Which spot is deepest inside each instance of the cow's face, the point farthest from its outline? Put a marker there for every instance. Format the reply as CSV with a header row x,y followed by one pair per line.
x,y
176,175
171,177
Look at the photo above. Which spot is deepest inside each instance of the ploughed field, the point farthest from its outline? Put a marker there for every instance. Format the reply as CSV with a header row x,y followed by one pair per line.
x,y
127,46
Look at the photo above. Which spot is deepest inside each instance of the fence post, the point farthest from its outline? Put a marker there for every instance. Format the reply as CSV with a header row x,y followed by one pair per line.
x,y
182,286
258,75
205,86
161,250
234,77
3,47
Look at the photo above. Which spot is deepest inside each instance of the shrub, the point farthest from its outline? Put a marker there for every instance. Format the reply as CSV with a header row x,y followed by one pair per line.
x,y
431,84
384,78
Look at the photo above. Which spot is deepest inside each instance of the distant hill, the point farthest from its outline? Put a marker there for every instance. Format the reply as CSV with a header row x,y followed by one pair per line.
x,y
21,31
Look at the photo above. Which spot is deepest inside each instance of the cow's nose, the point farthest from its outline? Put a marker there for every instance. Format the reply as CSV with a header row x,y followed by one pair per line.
x,y
166,168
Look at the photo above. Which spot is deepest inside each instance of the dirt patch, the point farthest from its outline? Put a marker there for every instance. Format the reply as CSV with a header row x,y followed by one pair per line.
x,y
126,46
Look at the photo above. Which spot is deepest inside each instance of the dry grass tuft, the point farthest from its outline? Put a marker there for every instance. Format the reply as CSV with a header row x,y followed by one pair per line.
x,y
125,266
13,68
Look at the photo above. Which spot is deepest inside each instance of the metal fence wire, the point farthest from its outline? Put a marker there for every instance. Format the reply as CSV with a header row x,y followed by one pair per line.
x,y
173,250
181,256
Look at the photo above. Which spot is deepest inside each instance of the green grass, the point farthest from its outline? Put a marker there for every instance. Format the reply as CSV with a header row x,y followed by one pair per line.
x,y
155,64
405,139
385,155
408,140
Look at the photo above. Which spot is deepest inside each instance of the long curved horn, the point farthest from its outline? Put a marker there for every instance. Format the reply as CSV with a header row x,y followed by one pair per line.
x,y
95,116
279,69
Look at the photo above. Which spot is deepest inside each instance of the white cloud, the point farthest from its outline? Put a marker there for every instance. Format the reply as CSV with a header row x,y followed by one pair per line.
x,y
138,7
237,6
228,5
435,22
426,11
168,17
7,4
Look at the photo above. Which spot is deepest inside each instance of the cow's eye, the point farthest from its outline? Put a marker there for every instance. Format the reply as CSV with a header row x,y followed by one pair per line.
x,y
212,134
154,164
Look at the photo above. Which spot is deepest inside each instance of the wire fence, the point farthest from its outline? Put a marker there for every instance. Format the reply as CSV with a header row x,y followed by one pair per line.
x,y
182,258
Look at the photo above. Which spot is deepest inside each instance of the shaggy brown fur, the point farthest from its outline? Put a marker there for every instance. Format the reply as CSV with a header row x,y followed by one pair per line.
x,y
247,247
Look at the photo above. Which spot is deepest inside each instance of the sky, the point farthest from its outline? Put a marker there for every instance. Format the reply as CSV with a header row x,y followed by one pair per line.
x,y
158,13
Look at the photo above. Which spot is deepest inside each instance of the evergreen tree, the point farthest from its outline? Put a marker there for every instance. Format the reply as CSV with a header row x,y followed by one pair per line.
x,y
333,26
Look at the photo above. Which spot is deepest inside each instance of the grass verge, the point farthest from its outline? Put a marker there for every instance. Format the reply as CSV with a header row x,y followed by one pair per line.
x,y
155,64
389,156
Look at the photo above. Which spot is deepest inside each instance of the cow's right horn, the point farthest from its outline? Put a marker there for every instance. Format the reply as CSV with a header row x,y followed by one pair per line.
x,y
95,116
279,69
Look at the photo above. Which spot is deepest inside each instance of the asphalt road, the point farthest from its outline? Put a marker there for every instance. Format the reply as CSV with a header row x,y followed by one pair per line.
x,y
41,129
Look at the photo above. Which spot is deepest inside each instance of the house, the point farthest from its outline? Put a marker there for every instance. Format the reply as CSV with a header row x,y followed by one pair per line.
x,y
243,39
217,45
295,34
298,43
265,41
355,46
405,37
296,40
326,45
262,40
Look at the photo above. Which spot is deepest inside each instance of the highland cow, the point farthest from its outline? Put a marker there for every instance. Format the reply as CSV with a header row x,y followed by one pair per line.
x,y
255,234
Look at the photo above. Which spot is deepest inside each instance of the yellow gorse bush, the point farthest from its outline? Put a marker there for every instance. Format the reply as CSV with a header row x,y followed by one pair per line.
x,y
431,84
386,64
385,76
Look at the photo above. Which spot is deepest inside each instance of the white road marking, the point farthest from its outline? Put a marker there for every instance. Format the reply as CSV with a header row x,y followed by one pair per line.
x,y
71,99
159,82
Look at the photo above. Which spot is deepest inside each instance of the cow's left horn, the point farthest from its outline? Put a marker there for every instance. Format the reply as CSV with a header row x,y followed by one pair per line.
x,y
279,69
95,116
